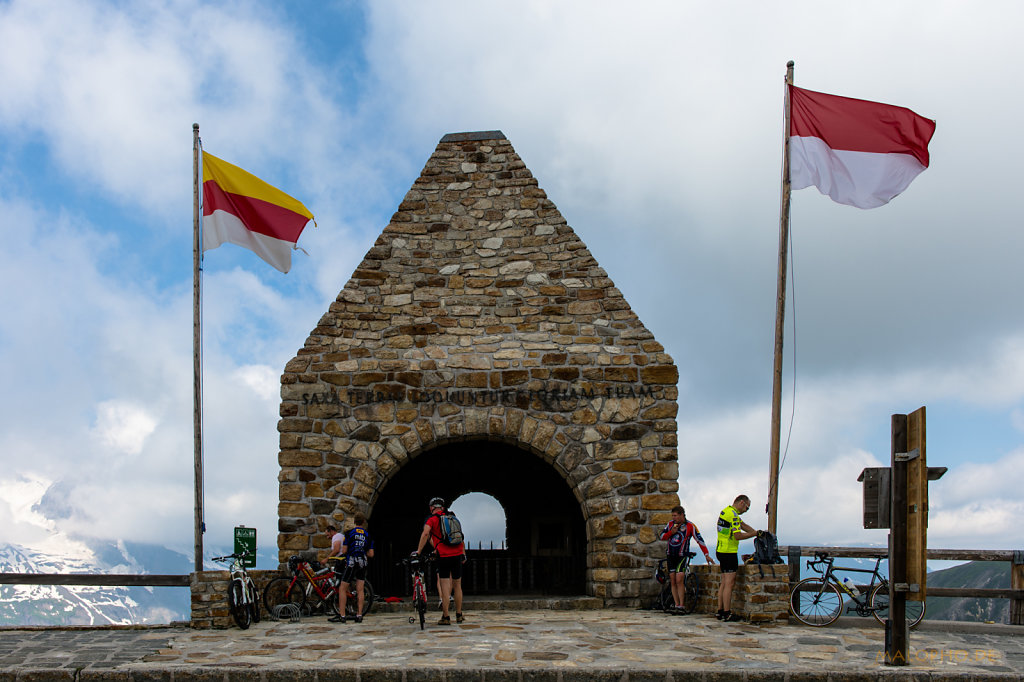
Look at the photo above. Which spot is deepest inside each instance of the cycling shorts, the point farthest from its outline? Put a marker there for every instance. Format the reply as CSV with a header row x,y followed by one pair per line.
x,y
353,570
450,566
676,563
728,562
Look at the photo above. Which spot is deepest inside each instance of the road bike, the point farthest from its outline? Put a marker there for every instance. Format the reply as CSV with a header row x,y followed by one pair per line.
x,y
419,587
312,589
819,601
691,587
243,597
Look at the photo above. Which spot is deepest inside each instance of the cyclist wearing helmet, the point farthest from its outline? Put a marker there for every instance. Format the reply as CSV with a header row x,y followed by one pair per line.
x,y
449,563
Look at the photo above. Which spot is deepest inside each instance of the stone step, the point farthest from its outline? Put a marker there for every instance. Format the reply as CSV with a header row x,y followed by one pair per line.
x,y
501,603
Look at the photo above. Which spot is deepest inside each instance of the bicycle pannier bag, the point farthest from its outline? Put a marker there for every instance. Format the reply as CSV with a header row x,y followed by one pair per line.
x,y
451,529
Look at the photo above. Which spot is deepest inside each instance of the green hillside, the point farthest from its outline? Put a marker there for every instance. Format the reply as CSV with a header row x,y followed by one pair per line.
x,y
993,574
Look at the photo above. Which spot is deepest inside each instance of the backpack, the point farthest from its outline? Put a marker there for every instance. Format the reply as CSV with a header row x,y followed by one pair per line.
x,y
766,550
451,529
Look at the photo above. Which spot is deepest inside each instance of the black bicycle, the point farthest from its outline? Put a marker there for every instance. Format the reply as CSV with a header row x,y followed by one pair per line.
x,y
691,587
819,601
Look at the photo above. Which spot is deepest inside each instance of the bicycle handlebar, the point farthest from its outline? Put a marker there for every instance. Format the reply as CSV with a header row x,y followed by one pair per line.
x,y
227,557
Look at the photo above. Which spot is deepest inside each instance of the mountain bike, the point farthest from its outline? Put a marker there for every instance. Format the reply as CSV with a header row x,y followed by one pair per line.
x,y
691,587
419,587
312,589
819,601
243,597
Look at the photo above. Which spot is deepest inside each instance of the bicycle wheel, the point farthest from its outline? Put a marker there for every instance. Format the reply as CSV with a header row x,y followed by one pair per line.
x,y
691,591
254,600
816,602
913,611
236,605
281,591
351,603
664,600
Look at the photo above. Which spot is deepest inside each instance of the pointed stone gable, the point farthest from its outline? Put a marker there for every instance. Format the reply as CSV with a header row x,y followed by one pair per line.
x,y
480,314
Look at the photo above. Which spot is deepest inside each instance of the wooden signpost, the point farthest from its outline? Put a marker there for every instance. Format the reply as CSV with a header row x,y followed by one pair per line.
x,y
896,497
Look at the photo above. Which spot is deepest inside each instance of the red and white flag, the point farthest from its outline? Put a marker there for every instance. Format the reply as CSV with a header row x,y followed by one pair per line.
x,y
857,152
241,209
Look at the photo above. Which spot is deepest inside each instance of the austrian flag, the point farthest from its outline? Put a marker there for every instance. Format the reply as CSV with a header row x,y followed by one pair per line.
x,y
857,152
241,209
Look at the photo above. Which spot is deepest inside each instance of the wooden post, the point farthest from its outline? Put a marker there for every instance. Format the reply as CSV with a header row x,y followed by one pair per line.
x,y
917,506
1017,583
780,319
793,559
897,639
197,365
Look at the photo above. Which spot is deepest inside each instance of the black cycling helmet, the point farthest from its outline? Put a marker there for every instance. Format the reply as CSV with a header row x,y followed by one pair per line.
x,y
436,502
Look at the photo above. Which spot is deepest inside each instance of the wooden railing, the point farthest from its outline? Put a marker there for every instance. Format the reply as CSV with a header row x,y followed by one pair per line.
x,y
104,579
1014,557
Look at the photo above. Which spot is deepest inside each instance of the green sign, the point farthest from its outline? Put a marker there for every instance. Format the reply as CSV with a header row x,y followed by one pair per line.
x,y
245,541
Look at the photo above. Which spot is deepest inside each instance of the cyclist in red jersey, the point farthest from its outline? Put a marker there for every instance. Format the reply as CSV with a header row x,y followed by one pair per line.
x,y
678,533
449,563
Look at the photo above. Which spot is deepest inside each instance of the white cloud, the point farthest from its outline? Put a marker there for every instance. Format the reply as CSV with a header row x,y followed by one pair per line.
x,y
123,426
656,132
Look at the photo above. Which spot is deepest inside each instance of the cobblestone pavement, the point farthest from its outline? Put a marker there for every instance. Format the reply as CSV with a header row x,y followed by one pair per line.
x,y
507,645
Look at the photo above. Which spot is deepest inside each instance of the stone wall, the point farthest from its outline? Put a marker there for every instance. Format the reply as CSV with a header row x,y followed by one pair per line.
x,y
759,599
479,314
210,597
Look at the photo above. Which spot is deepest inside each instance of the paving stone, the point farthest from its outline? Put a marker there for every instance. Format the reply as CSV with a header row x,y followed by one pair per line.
x,y
510,647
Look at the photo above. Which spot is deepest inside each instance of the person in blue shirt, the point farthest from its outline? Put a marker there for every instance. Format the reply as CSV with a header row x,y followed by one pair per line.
x,y
353,548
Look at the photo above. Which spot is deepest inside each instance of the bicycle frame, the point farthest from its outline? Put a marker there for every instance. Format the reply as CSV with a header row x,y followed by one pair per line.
x,y
860,598
419,588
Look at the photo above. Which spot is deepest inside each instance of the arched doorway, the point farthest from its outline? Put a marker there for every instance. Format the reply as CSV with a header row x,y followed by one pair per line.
x,y
546,544
484,520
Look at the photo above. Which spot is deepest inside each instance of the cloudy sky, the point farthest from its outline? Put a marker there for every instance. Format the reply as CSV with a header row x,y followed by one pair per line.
x,y
657,132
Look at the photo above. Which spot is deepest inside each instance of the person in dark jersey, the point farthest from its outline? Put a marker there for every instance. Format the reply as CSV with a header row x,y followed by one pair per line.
x,y
678,533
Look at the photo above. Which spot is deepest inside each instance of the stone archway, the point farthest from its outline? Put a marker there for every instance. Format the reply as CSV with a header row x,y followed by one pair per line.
x,y
479,315
545,525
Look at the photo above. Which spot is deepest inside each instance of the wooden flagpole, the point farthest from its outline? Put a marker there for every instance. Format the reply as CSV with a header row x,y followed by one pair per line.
x,y
197,365
780,317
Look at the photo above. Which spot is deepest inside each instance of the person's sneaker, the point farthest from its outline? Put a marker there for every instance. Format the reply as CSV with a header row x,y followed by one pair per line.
x,y
732,618
336,619
445,620
359,619
459,618
720,614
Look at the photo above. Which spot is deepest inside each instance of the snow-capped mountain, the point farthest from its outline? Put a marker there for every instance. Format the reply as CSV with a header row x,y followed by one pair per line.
x,y
92,605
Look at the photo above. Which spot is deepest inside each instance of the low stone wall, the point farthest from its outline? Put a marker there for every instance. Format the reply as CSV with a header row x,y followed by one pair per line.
x,y
756,598
210,597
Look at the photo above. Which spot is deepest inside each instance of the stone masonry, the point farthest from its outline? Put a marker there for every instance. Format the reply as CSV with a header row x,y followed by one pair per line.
x,y
761,595
479,314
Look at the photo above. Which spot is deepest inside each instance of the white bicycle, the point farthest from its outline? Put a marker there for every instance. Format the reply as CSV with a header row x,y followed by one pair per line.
x,y
243,597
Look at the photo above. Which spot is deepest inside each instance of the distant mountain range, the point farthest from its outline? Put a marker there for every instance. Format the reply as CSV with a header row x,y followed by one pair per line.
x,y
95,605
992,574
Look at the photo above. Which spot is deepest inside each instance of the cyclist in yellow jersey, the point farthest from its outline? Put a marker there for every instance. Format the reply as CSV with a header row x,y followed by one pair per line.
x,y
730,531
